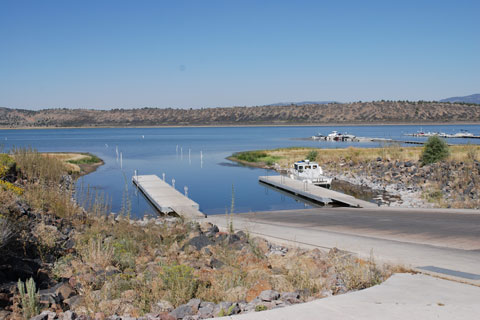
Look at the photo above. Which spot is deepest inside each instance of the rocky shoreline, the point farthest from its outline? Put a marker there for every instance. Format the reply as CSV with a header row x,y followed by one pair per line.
x,y
405,183
448,184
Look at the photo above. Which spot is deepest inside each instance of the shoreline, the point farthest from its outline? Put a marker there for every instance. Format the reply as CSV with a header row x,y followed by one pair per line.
x,y
340,124
394,175
84,168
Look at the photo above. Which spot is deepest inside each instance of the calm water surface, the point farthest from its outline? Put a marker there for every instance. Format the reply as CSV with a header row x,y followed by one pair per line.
x,y
176,152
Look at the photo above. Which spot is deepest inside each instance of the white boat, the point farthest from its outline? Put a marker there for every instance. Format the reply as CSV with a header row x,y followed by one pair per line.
x,y
310,172
335,136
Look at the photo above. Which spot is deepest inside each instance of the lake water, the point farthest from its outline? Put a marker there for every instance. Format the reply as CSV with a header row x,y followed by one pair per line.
x,y
176,152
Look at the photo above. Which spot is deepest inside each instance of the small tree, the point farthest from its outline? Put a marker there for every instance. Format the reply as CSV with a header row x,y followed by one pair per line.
x,y
435,149
312,155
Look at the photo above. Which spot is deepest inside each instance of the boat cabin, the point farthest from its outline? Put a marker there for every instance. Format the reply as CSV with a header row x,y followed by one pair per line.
x,y
300,166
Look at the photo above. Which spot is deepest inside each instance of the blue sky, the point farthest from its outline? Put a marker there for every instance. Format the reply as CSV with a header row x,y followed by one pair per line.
x,y
106,54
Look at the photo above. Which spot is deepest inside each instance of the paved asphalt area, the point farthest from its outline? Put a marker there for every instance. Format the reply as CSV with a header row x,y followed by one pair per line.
x,y
445,242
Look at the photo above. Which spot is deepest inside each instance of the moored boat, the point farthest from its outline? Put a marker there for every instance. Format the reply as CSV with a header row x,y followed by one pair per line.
x,y
310,172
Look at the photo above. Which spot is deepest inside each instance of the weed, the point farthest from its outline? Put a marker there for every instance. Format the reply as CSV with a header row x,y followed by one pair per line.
x,y
28,298
472,152
36,167
97,252
179,283
232,208
260,307
356,274
47,237
6,232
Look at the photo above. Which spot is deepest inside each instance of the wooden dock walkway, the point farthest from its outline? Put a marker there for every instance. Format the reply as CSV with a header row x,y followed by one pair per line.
x,y
313,192
165,198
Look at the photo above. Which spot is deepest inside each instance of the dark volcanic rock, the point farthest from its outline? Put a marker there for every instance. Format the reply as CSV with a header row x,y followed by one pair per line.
x,y
199,242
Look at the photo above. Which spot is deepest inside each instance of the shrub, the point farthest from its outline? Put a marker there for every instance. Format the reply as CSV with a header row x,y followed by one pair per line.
x,y
6,232
179,283
29,298
260,307
435,149
312,155
5,185
97,252
6,163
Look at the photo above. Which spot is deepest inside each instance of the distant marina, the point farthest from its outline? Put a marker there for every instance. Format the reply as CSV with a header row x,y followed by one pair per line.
x,y
337,136
463,134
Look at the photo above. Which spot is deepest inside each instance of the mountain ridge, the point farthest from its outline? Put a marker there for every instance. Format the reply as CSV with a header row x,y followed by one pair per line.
x,y
473,98
376,112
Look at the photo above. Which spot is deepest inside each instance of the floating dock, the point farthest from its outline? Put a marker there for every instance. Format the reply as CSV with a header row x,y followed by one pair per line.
x,y
313,192
166,198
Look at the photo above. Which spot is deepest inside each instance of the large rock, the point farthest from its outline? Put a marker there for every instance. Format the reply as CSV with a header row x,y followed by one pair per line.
x,y
198,242
182,311
195,304
68,315
221,309
290,297
206,310
269,295
64,291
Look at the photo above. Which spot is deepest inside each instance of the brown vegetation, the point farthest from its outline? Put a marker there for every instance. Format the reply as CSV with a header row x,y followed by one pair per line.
x,y
88,261
347,113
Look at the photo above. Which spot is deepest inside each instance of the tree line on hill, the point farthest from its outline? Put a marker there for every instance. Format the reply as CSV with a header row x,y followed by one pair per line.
x,y
331,113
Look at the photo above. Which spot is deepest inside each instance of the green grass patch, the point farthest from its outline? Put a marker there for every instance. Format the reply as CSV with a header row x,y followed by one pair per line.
x,y
256,156
90,159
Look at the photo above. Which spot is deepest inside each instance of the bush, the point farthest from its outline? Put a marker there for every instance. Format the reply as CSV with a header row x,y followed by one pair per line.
x,y
179,283
312,155
6,163
435,149
6,232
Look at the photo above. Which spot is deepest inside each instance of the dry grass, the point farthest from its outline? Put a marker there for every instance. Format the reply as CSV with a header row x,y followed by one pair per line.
x,y
287,156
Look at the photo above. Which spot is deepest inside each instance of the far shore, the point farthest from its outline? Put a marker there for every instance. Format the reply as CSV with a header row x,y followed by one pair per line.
x,y
341,124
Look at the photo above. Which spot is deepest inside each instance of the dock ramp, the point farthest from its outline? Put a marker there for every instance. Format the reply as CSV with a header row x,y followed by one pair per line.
x,y
167,199
313,192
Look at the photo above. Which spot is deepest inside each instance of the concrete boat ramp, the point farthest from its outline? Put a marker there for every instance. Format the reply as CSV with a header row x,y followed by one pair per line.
x,y
314,193
166,198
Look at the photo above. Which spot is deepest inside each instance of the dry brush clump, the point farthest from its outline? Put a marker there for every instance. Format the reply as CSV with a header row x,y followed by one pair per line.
x,y
125,268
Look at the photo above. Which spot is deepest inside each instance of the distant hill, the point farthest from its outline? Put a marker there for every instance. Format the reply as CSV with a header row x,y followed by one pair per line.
x,y
473,98
302,103
380,112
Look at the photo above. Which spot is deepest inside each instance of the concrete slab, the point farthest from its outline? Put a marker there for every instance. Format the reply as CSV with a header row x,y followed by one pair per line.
x,y
166,198
402,296
313,192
